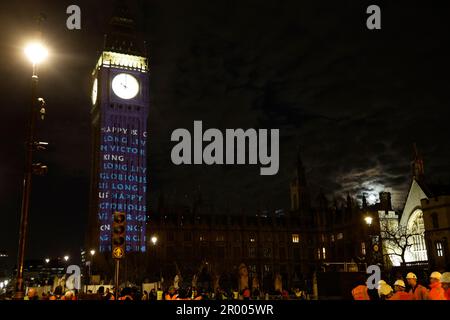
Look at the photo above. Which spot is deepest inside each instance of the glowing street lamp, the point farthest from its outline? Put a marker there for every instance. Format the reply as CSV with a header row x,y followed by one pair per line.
x,y
368,220
154,240
47,260
66,258
92,252
36,52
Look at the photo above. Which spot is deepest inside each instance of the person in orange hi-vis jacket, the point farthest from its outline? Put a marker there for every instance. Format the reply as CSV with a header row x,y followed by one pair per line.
x,y
171,295
400,293
417,290
445,282
360,292
436,291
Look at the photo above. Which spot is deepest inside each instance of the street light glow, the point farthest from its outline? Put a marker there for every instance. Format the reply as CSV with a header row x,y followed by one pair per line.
x,y
66,258
368,220
92,252
47,260
36,52
154,240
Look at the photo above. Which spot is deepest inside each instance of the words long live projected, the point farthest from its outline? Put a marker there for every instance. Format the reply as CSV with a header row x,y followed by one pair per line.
x,y
123,185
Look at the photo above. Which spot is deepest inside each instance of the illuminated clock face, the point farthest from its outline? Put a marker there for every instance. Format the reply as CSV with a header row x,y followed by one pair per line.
x,y
125,86
94,91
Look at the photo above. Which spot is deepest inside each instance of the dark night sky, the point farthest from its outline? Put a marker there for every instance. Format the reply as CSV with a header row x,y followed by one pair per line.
x,y
354,99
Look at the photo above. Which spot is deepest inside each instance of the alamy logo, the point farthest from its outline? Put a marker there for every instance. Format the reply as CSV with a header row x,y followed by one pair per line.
x,y
74,280
374,20
231,149
373,281
73,22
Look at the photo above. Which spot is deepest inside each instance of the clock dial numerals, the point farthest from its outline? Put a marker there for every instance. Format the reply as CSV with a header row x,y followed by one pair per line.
x,y
125,86
94,92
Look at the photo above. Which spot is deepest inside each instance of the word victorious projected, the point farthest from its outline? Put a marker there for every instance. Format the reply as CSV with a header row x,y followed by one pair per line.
x,y
231,149
123,184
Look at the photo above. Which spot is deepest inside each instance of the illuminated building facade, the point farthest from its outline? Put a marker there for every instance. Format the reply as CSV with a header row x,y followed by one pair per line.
x,y
120,99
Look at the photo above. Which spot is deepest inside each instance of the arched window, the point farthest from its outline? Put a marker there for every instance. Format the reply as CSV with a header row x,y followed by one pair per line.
x,y
417,226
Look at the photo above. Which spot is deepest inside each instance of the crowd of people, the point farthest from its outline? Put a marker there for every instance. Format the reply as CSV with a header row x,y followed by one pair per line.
x,y
172,293
438,289
408,288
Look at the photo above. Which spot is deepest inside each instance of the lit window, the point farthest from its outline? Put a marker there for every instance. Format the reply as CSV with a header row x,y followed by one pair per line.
x,y
332,238
323,238
340,236
318,253
202,238
439,249
324,253
295,238
363,248
220,237
252,238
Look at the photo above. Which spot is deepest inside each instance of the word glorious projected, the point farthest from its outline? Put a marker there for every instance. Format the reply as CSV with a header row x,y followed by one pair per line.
x,y
236,147
123,184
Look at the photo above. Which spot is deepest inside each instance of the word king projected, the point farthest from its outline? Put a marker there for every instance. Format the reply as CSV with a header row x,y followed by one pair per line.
x,y
122,181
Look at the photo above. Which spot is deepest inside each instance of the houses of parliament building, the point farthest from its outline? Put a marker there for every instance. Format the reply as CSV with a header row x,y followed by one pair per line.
x,y
311,236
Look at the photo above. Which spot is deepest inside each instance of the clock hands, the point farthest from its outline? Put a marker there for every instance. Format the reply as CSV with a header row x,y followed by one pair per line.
x,y
126,86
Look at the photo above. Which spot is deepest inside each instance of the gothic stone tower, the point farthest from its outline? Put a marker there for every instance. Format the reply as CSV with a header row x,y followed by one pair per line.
x,y
298,188
120,99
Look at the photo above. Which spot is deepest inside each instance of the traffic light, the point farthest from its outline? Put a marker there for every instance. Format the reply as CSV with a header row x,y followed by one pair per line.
x,y
118,235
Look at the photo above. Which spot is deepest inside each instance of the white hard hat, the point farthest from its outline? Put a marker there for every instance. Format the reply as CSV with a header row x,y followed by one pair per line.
x,y
400,283
385,289
445,278
411,276
436,275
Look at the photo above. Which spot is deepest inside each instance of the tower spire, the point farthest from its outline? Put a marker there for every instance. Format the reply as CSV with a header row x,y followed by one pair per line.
x,y
121,36
300,170
299,191
417,166
364,201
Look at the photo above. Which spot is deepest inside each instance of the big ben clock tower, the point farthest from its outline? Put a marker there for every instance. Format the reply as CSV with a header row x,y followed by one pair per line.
x,y
120,101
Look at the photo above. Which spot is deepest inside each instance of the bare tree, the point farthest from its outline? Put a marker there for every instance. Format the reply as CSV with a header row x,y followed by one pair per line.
x,y
398,239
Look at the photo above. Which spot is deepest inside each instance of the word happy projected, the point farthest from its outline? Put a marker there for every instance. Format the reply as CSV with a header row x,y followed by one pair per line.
x,y
123,184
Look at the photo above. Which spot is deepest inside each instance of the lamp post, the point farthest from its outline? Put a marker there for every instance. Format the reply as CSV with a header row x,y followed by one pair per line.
x,y
153,256
368,219
36,53
92,252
